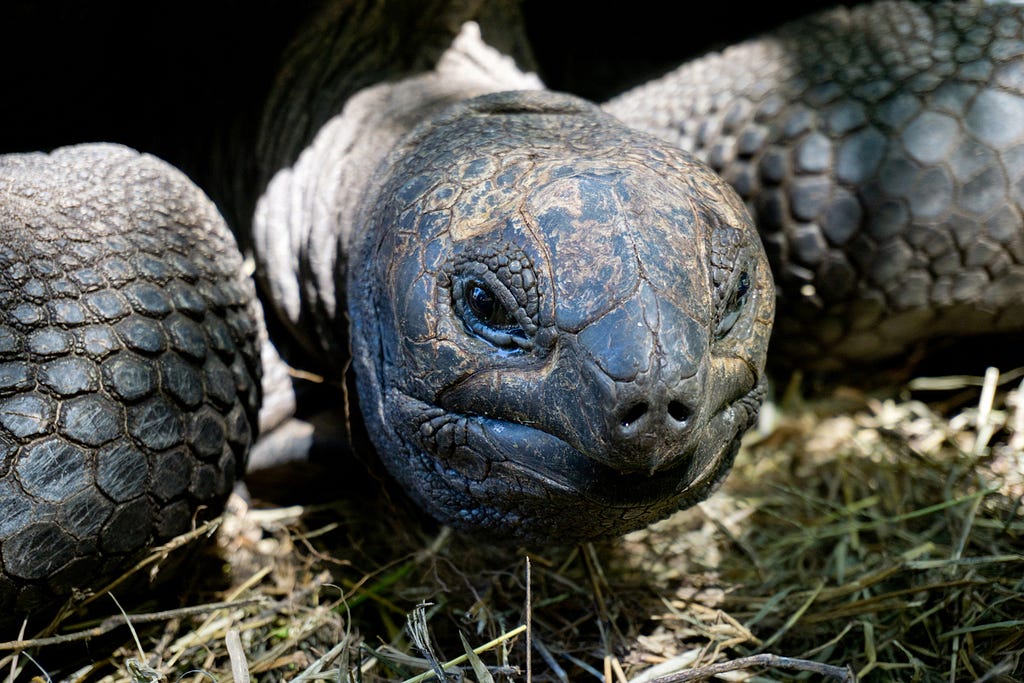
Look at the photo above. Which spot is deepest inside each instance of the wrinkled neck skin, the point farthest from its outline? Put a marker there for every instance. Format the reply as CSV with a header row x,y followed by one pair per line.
x,y
558,325
306,218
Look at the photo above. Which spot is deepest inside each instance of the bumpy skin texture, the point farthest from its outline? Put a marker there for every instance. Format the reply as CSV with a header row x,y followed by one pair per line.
x,y
881,151
129,374
559,325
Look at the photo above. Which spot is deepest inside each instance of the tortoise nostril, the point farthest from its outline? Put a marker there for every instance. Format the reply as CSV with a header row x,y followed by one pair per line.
x,y
634,413
679,411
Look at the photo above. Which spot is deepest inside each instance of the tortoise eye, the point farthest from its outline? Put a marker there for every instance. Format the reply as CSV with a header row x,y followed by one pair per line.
x,y
486,315
734,306
481,300
485,305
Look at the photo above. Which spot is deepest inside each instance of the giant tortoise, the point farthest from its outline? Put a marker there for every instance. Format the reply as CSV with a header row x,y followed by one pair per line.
x,y
557,314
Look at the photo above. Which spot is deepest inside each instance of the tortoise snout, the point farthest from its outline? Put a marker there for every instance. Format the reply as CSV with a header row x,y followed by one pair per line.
x,y
648,355
641,416
651,428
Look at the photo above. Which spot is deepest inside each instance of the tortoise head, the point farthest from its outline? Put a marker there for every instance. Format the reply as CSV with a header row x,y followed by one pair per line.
x,y
559,324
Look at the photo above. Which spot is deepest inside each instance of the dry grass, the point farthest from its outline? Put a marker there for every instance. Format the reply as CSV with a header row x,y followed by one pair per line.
x,y
886,536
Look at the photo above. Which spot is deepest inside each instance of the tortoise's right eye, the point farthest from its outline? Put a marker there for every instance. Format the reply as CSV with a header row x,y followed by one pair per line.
x,y
489,314
486,307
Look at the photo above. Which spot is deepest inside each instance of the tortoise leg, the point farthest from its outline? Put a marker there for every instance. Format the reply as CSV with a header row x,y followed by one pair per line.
x,y
129,366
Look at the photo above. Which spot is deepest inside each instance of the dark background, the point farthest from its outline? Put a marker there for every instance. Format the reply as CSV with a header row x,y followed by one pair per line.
x,y
161,76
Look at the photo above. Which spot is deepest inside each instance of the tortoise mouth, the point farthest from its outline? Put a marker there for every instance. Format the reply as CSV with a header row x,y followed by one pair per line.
x,y
496,476
507,451
537,486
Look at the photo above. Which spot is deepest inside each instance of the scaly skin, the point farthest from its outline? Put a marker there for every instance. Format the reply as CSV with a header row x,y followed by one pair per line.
x,y
881,151
129,375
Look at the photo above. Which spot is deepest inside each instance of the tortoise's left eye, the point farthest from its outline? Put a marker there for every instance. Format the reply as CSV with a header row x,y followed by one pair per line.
x,y
734,306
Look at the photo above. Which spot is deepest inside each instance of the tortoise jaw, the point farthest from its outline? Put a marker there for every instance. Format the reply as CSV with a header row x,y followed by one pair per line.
x,y
500,477
518,452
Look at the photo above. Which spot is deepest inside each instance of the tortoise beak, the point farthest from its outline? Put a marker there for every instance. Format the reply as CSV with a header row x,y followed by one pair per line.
x,y
649,358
